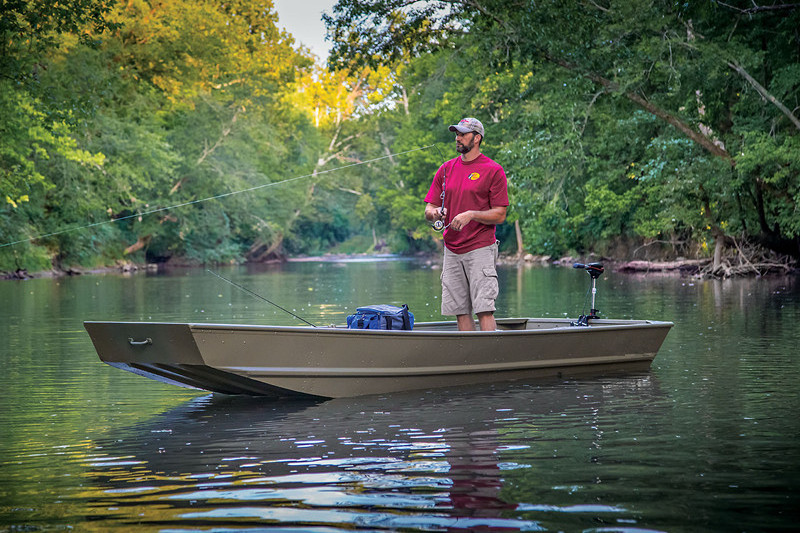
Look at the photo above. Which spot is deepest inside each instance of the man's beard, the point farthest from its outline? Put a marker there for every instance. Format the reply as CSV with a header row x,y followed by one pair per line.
x,y
462,148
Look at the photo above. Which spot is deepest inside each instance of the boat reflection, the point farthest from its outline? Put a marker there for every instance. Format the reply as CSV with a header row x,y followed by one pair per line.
x,y
435,460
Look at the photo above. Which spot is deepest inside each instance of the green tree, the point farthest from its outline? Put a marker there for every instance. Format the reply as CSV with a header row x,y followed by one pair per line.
x,y
34,134
181,102
651,74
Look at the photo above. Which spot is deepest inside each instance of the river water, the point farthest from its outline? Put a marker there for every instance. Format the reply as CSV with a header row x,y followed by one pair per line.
x,y
707,440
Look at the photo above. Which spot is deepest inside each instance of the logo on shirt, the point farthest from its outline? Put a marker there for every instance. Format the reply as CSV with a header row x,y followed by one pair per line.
x,y
474,176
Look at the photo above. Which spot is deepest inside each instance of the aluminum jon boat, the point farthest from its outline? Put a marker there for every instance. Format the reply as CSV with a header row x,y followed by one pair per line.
x,y
332,362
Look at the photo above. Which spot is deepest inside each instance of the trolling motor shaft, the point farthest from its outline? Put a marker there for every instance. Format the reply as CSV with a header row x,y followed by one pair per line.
x,y
594,270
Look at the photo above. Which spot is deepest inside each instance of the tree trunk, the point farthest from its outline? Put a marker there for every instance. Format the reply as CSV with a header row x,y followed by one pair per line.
x,y
762,216
138,245
520,245
719,246
261,251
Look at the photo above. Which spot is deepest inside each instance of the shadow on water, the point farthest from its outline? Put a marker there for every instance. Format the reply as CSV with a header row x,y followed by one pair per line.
x,y
457,459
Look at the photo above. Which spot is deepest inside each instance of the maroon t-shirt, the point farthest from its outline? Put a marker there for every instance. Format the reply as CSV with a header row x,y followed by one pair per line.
x,y
479,185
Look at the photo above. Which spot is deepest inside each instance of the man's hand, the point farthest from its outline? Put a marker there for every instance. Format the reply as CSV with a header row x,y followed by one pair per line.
x,y
434,213
461,220
495,215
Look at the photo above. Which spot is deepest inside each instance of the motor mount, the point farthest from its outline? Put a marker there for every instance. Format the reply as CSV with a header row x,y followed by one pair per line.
x,y
595,270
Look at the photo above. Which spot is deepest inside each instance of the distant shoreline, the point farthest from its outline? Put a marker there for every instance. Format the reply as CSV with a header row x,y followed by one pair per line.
x,y
684,267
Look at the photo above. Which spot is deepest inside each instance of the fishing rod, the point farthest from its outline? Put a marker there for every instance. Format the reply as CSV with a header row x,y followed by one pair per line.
x,y
439,224
248,291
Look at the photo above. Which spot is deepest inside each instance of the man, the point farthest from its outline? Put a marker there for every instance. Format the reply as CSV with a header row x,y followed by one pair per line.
x,y
469,195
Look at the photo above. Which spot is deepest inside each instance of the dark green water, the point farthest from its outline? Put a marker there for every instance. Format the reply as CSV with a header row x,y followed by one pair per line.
x,y
705,441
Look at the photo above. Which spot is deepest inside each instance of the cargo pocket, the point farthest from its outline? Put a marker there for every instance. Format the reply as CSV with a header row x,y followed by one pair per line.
x,y
489,286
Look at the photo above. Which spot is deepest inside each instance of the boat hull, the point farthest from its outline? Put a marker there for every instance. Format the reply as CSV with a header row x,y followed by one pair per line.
x,y
336,362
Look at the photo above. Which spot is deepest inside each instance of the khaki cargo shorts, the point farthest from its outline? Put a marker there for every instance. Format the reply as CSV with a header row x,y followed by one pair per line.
x,y
469,281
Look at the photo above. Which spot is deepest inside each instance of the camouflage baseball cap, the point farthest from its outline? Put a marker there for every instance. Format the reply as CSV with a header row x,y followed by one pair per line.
x,y
465,125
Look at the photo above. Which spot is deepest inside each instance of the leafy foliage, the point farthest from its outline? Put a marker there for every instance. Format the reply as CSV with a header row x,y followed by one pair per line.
x,y
616,120
196,132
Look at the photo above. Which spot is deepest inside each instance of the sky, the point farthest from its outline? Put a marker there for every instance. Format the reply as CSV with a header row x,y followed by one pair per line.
x,y
303,19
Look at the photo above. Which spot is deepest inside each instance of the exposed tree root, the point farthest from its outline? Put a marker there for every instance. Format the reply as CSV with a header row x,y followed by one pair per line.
x,y
748,259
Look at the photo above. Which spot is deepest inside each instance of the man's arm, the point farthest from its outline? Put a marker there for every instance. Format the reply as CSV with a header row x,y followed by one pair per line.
x,y
494,215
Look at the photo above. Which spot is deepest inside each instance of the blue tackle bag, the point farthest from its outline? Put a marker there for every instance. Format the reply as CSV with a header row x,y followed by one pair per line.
x,y
381,317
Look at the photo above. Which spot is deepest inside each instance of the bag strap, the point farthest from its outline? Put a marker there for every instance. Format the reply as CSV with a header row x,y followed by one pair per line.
x,y
406,319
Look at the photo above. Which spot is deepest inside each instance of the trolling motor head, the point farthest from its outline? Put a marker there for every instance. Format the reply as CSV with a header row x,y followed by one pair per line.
x,y
594,270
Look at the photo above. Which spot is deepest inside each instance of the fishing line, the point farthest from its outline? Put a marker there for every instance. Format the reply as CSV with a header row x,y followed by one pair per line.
x,y
223,195
248,291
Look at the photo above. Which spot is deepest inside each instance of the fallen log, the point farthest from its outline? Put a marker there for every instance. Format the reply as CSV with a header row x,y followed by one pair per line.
x,y
684,265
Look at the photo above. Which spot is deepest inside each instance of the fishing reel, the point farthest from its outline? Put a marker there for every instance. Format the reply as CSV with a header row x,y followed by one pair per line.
x,y
594,270
439,225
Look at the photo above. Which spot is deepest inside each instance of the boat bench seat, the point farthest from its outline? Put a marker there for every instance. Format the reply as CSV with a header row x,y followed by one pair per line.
x,y
512,323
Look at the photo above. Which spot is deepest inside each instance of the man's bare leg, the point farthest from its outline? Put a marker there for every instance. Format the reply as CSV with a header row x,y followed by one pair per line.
x,y
487,321
465,323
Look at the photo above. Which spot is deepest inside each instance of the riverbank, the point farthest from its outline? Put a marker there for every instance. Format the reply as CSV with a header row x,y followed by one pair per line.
x,y
125,268
683,267
736,262
680,267
733,265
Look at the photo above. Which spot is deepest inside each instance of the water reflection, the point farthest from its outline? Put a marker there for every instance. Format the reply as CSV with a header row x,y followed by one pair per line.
x,y
706,442
430,461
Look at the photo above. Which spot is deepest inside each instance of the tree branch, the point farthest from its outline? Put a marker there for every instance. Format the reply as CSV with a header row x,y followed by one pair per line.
x,y
588,110
764,93
697,137
756,9
226,130
601,8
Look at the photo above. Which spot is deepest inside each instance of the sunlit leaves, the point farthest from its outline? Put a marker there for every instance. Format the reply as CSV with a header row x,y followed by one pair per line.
x,y
29,28
330,98
186,48
29,137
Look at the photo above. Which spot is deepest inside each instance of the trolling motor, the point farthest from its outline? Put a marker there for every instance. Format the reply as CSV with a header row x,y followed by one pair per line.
x,y
594,270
